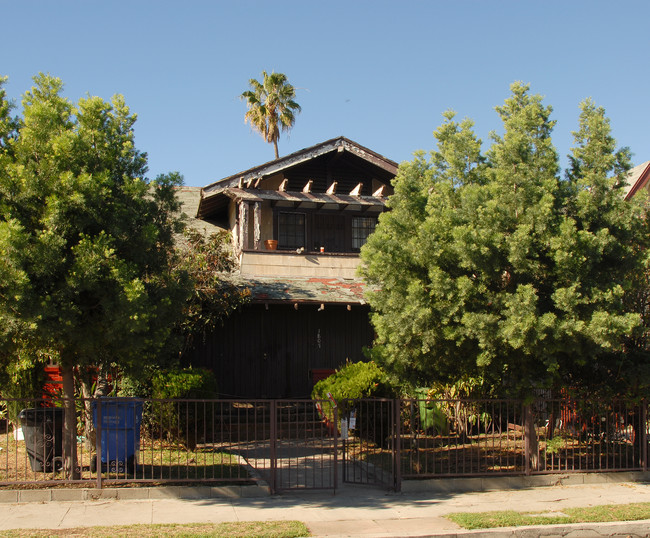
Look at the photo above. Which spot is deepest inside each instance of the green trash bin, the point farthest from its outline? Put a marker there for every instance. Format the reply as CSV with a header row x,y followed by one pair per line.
x,y
431,416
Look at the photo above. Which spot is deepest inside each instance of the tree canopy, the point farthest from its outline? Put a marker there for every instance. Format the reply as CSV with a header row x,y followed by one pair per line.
x,y
271,106
86,241
492,265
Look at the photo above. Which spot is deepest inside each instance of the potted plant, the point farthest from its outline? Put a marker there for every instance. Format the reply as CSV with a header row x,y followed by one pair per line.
x,y
271,244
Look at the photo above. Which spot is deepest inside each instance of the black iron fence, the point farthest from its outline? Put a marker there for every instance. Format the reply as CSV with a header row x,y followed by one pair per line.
x,y
303,444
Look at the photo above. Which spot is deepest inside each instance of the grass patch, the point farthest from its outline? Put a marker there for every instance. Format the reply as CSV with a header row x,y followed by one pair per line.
x,y
592,514
157,460
241,529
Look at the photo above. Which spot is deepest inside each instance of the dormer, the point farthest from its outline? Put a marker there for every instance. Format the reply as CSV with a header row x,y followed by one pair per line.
x,y
321,202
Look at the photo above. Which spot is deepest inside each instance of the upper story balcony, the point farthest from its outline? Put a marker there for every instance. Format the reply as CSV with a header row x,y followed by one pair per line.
x,y
293,264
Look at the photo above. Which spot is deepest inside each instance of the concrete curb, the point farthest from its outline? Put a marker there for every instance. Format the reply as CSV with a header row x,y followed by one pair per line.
x,y
467,485
434,485
163,492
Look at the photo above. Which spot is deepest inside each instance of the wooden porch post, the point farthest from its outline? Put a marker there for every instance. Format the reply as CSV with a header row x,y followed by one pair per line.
x,y
243,225
257,225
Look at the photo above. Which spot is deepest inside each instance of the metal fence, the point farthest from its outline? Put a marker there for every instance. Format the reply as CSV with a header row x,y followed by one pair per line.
x,y
303,444
488,437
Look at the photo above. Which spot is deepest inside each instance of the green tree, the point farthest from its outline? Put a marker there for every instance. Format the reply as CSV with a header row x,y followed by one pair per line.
x,y
206,260
86,242
491,266
271,106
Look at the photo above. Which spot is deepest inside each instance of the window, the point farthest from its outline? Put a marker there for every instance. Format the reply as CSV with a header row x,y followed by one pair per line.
x,y
291,230
362,227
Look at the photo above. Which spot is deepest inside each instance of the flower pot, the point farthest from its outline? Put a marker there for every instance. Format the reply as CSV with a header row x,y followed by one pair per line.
x,y
271,244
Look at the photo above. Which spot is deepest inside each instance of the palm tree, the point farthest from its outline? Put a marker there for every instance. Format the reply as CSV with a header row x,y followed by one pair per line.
x,y
271,107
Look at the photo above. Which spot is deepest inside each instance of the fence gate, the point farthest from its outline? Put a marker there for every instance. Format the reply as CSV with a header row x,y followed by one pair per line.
x,y
303,448
369,436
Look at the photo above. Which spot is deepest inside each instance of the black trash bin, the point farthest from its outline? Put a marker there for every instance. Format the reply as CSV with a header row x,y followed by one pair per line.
x,y
43,432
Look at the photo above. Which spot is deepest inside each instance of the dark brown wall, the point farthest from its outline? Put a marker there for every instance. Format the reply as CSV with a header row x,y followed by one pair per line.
x,y
261,353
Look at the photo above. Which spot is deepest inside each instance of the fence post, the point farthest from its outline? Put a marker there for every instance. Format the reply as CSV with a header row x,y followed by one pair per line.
x,y
524,410
644,434
98,440
397,445
336,447
274,446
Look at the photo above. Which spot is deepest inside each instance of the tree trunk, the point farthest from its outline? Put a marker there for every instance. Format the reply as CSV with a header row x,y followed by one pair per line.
x,y
101,389
639,420
275,147
530,438
70,463
89,430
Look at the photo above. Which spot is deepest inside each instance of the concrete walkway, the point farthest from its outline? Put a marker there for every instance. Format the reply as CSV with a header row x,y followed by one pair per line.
x,y
353,511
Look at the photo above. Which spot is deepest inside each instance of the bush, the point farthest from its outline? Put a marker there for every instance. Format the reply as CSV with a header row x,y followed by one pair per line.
x,y
188,422
353,382
23,381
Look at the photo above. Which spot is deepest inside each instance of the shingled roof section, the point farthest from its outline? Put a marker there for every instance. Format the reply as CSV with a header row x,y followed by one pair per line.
x,y
314,290
190,198
637,179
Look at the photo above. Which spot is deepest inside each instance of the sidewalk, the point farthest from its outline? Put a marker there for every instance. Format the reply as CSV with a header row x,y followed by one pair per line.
x,y
353,511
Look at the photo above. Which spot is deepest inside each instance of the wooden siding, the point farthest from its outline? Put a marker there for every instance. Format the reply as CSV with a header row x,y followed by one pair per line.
x,y
261,353
347,170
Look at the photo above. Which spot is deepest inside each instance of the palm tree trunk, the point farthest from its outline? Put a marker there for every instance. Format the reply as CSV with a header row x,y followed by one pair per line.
x,y
275,147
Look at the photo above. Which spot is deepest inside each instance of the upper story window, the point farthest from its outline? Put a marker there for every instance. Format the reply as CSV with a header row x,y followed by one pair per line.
x,y
291,230
362,227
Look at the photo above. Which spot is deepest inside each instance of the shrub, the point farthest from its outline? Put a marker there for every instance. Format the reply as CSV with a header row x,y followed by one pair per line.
x,y
25,382
354,382
187,421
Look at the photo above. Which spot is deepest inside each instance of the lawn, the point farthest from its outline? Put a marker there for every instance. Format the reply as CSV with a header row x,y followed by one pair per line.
x,y
592,514
156,461
243,529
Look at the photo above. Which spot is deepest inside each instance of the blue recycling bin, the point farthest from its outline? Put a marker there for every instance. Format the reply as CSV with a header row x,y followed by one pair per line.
x,y
120,432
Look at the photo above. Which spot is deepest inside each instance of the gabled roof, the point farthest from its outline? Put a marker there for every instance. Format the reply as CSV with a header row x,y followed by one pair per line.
x,y
214,197
278,165
637,179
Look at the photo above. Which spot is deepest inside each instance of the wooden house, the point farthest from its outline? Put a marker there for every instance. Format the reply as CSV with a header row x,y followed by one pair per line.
x,y
298,224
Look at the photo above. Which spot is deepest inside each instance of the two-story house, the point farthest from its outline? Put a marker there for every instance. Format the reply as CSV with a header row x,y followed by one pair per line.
x,y
298,224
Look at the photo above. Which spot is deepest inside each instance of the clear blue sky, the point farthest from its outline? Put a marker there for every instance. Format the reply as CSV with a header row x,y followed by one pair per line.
x,y
380,73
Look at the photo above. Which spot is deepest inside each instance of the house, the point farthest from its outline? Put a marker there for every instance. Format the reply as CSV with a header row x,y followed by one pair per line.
x,y
637,180
298,224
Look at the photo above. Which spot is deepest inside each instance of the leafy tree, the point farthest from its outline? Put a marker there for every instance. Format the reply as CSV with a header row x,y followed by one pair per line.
x,y
271,106
206,259
85,241
491,266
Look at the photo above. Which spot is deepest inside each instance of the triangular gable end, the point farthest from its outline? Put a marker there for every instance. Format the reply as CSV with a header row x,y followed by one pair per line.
x,y
214,195
637,179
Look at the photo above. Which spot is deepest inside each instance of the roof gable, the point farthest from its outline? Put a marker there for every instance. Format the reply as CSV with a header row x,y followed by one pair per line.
x,y
637,179
337,166
248,177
